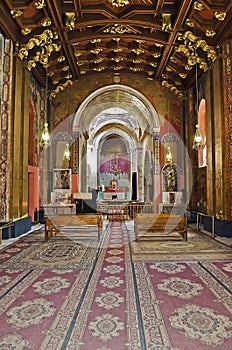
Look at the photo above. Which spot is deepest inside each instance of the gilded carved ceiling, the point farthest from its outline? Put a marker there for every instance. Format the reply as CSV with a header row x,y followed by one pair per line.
x,y
156,39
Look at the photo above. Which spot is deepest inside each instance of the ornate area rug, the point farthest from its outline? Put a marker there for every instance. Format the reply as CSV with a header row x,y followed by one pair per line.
x,y
198,247
114,302
186,305
59,252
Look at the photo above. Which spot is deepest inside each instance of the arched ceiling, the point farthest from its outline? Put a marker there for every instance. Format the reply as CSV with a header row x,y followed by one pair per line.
x,y
115,115
75,39
115,104
113,144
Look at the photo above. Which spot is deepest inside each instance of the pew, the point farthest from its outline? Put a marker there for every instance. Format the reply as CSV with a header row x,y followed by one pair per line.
x,y
53,225
50,229
151,226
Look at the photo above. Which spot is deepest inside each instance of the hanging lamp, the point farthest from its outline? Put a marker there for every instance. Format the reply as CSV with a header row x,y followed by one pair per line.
x,y
45,137
198,140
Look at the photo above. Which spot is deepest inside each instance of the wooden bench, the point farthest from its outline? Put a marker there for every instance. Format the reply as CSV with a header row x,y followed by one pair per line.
x,y
53,225
151,226
50,229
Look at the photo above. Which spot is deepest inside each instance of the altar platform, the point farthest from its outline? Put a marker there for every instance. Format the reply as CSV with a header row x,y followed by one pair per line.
x,y
113,195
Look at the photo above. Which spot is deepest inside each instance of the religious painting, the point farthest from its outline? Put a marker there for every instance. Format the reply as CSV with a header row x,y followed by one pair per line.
x,y
62,180
201,191
170,177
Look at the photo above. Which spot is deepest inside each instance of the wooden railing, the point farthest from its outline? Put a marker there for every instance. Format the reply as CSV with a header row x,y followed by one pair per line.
x,y
123,211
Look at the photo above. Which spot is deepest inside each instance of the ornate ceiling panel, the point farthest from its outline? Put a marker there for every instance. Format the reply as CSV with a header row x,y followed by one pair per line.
x,y
157,39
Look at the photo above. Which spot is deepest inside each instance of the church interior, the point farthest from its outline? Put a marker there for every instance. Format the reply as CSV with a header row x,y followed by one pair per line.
x,y
116,120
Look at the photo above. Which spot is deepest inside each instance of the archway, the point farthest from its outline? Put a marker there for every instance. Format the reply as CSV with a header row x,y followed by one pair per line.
x,y
117,113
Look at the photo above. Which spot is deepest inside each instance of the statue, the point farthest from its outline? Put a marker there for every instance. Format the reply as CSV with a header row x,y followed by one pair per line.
x,y
170,177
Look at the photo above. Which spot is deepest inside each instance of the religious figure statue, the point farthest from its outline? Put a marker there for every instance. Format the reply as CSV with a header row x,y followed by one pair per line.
x,y
170,177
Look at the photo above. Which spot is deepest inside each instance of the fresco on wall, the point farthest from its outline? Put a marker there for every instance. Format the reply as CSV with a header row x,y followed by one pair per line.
x,y
36,124
152,90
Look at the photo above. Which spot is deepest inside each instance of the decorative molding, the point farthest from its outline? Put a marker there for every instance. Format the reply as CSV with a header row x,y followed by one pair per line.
x,y
45,44
118,3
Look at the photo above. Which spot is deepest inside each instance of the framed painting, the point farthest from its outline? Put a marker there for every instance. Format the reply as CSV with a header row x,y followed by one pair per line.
x,y
62,180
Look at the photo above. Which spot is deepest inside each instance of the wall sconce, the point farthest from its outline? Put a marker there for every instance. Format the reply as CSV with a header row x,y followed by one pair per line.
x,y
197,141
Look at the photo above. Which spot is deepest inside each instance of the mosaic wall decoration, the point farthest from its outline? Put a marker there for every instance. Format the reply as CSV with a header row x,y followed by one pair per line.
x,y
36,119
75,155
227,74
5,86
157,154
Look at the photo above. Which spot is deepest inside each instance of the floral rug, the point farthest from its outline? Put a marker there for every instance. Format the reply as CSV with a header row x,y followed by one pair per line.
x,y
199,246
62,251
114,302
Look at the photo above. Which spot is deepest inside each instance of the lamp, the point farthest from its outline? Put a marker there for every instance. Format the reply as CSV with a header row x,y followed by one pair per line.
x,y
168,157
197,141
45,137
67,152
115,169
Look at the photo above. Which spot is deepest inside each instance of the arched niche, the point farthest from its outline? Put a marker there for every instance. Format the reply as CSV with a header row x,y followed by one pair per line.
x,y
114,164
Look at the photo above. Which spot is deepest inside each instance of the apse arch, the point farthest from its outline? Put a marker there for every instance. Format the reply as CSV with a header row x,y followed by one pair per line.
x,y
117,96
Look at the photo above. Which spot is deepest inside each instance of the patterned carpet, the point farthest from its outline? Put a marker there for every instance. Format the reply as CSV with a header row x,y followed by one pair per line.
x,y
55,296
198,247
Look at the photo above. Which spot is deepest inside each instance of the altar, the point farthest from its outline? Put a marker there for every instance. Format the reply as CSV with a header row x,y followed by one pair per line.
x,y
54,209
114,195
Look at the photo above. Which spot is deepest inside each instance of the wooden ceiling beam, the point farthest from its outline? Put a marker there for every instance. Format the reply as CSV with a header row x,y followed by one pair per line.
x,y
66,47
182,15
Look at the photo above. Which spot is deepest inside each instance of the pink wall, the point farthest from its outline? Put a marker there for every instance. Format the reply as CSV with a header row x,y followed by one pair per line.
x,y
74,183
157,192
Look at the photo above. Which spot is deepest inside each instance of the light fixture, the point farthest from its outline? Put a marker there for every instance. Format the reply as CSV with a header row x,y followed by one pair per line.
x,y
67,152
168,158
114,168
45,137
197,141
